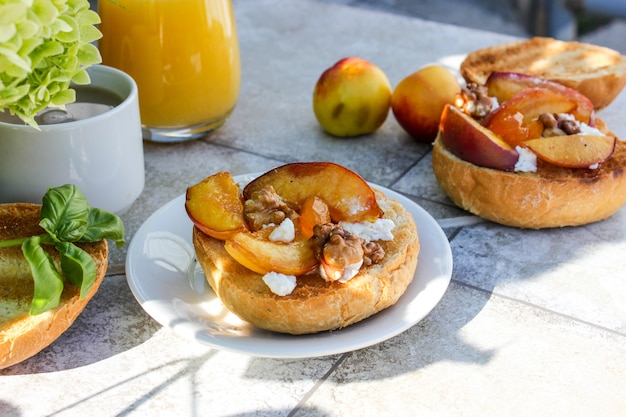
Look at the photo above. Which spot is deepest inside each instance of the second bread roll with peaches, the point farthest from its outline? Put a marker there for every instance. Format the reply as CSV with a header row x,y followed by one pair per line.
x,y
538,158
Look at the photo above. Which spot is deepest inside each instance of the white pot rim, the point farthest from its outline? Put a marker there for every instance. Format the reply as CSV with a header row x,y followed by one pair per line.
x,y
101,76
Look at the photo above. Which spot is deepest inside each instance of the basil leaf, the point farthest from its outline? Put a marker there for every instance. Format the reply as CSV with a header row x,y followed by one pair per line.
x,y
48,281
65,213
66,217
78,266
104,225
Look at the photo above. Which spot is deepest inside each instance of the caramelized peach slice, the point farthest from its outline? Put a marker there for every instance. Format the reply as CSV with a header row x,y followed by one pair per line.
x,y
505,85
517,120
573,151
314,211
466,138
214,205
257,253
347,195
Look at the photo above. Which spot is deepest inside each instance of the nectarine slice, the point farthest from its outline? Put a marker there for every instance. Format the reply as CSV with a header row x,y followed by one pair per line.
x,y
505,85
214,205
467,139
573,151
314,211
261,255
347,195
517,120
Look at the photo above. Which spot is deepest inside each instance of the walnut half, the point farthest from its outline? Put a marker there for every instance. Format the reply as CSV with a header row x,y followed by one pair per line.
x,y
474,100
338,249
266,207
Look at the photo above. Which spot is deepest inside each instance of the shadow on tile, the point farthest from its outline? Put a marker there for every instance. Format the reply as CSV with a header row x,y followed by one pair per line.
x,y
574,271
112,322
434,339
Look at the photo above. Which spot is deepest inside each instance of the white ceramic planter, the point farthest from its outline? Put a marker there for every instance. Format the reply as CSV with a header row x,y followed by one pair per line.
x,y
102,155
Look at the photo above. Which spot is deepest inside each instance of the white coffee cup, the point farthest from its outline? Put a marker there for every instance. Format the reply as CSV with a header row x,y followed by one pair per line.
x,y
102,154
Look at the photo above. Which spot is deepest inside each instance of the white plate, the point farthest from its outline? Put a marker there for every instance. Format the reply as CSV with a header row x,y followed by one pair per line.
x,y
166,280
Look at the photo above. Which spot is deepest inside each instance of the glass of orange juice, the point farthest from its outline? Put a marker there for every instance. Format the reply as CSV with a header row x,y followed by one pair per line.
x,y
184,56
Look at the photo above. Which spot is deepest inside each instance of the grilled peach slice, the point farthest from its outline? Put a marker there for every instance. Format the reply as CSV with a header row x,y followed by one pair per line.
x,y
257,253
214,205
466,138
348,196
505,85
314,211
517,120
573,151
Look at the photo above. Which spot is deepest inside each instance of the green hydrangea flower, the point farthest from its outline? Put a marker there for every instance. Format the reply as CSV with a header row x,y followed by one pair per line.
x,y
44,45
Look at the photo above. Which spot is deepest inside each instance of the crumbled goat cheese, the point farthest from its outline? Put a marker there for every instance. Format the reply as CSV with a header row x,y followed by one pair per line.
x,y
370,231
585,129
280,284
244,180
494,103
349,272
594,166
527,161
285,232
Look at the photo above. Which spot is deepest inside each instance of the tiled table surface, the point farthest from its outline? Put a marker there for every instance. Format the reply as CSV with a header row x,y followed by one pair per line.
x,y
533,322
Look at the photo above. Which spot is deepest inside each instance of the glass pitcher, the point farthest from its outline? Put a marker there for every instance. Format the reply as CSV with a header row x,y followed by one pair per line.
x,y
184,56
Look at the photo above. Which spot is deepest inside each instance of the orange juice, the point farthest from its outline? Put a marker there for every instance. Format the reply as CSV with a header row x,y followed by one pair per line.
x,y
183,54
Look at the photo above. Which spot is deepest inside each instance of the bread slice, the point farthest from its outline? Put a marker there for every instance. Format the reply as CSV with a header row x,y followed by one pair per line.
x,y
551,197
597,72
23,335
315,305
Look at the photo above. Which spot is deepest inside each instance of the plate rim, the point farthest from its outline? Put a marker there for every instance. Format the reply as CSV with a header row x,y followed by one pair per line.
x,y
314,344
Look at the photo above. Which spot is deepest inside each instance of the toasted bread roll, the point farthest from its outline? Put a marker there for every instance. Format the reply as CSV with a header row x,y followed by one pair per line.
x,y
551,197
23,335
597,72
315,305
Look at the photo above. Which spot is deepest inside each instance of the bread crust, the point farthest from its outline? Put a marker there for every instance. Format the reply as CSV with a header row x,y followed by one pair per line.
x,y
597,72
23,335
315,305
551,197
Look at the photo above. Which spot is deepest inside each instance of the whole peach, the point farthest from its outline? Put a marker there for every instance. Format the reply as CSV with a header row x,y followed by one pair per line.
x,y
352,98
418,100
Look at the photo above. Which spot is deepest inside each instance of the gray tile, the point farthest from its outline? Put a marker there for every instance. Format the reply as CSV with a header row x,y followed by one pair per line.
x,y
477,354
575,271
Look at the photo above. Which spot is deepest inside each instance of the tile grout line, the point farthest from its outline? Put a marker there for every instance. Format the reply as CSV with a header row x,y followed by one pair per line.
x,y
460,221
540,308
318,384
119,269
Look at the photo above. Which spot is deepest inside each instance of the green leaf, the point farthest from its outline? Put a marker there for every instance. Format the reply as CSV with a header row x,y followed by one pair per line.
x,y
88,17
7,31
10,93
89,33
81,78
49,48
12,12
68,30
39,38
65,213
45,11
27,29
29,45
78,266
65,204
104,225
15,59
88,54
48,281
63,97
